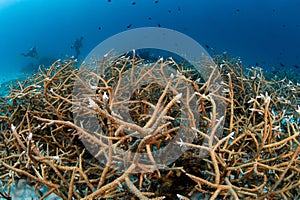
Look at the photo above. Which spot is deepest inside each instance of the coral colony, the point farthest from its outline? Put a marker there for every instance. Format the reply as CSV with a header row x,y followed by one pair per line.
x,y
255,157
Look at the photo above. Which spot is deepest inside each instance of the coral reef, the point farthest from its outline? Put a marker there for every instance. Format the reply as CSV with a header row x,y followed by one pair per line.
x,y
257,156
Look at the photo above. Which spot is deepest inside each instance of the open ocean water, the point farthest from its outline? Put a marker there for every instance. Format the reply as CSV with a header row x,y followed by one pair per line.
x,y
264,33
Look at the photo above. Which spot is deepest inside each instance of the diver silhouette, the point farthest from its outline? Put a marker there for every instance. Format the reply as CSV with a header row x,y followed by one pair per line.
x,y
32,52
77,45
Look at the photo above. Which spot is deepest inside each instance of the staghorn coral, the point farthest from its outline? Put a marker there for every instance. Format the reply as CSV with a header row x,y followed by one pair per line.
x,y
257,157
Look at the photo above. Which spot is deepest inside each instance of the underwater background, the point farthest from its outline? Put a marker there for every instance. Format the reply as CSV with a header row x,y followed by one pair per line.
x,y
262,33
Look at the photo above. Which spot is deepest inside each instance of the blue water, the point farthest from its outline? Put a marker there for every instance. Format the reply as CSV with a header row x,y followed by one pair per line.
x,y
261,32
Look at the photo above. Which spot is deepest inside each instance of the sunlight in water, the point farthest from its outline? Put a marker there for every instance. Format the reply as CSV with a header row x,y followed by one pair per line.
x,y
5,3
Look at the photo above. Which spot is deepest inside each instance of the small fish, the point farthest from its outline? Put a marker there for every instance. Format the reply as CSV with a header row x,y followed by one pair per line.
x,y
296,66
99,28
108,0
283,25
179,9
238,10
129,25
158,25
281,64
155,1
169,11
149,18
133,3
206,46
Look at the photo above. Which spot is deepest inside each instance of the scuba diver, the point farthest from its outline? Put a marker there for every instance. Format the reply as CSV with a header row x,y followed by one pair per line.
x,y
77,45
32,52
